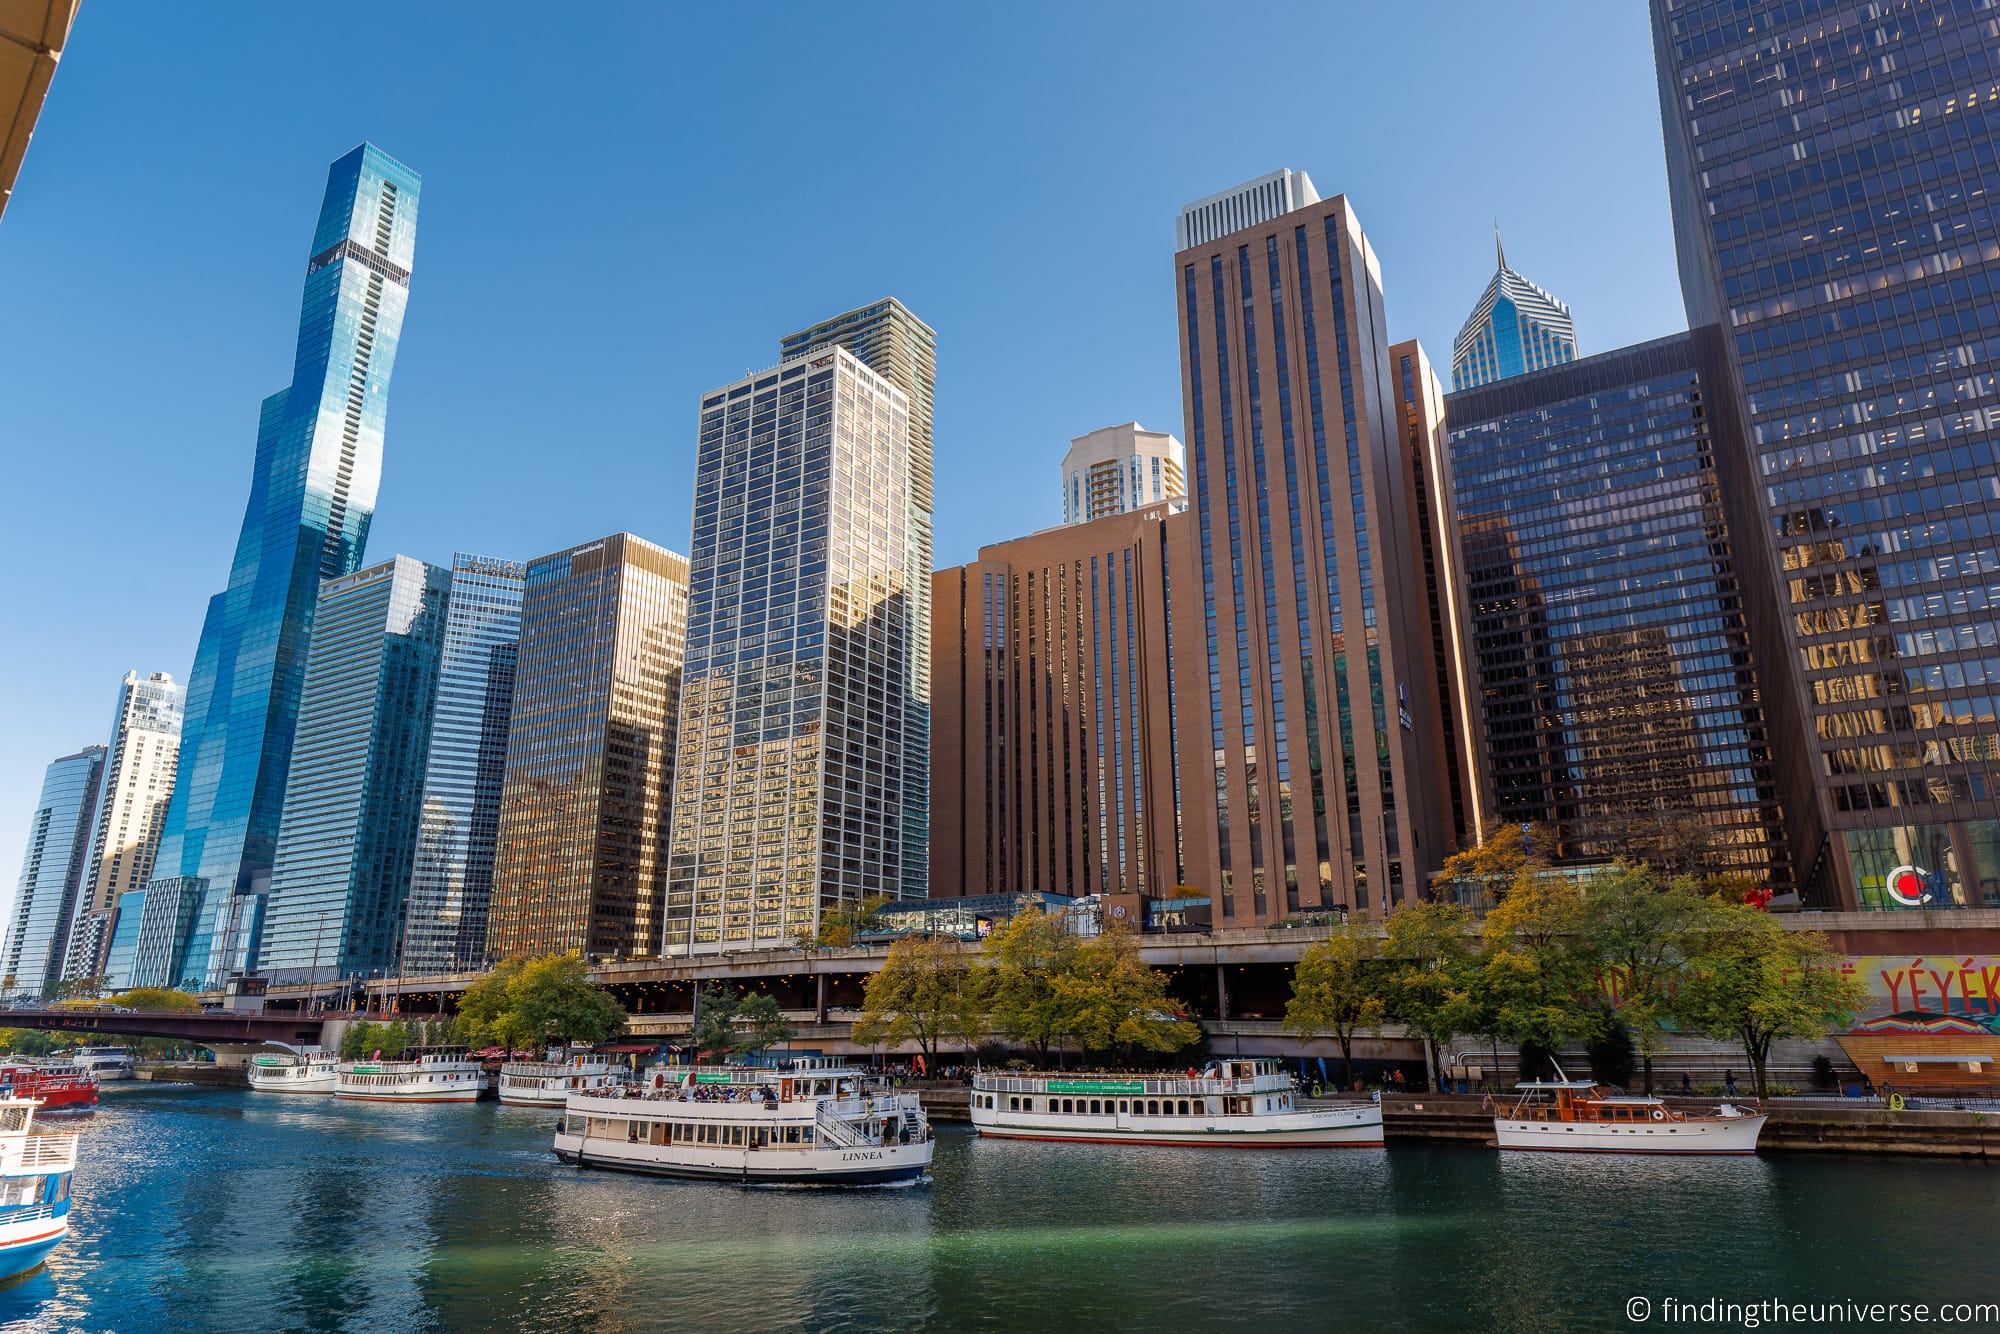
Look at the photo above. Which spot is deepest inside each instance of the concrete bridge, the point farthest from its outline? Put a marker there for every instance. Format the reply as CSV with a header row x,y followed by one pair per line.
x,y
209,1028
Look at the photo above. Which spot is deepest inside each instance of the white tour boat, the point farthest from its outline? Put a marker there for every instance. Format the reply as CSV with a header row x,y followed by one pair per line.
x,y
1236,1103
437,1076
34,1188
293,1070
104,1063
1583,1117
816,1123
549,1083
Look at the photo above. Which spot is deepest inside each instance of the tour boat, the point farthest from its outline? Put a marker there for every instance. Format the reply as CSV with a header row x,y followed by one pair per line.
x,y
437,1076
293,1070
1239,1102
34,1188
57,1085
1583,1117
105,1063
549,1083
815,1123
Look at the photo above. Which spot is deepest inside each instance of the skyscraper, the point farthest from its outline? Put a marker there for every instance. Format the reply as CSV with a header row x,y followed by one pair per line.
x,y
1053,759
1281,192
131,807
1621,692
319,457
1833,178
353,800
1515,327
52,871
1314,657
580,859
1116,469
902,349
452,879
789,796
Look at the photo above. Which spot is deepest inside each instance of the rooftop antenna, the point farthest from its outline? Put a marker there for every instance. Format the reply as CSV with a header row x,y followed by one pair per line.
x,y
1499,251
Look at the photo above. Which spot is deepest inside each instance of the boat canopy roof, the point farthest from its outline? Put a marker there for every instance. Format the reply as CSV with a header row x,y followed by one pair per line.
x,y
1582,1085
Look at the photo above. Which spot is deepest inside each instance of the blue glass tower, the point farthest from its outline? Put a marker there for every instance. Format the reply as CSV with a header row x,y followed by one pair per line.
x,y
1515,327
52,871
319,457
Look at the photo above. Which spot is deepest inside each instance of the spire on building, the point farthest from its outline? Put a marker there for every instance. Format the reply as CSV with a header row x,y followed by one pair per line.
x,y
1515,327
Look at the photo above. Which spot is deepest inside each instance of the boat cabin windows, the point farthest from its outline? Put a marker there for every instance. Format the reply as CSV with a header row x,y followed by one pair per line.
x,y
13,1118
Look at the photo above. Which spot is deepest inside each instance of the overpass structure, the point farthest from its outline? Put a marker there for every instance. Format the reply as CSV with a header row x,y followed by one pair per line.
x,y
209,1028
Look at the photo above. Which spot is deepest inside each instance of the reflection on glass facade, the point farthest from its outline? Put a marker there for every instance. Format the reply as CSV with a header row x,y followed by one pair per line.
x,y
789,786
1837,211
1614,666
319,458
121,952
131,807
342,874
52,871
579,862
902,349
452,878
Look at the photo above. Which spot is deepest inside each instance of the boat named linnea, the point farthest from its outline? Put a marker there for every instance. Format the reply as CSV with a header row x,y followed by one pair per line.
x,y
448,1074
34,1188
1235,1103
817,1123
549,1083
1582,1117
293,1070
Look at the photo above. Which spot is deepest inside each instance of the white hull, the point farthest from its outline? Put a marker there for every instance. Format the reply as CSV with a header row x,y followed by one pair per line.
x,y
430,1079
546,1090
432,1093
1343,1127
861,1165
1722,1134
319,1081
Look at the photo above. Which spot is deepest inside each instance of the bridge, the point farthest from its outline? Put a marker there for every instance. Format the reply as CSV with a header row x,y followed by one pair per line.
x,y
209,1028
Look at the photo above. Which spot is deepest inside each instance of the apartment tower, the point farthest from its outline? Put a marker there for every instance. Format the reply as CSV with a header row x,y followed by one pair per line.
x,y
1116,469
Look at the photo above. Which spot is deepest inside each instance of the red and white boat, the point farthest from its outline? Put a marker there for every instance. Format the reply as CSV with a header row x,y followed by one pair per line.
x,y
1579,1116
1234,1103
57,1086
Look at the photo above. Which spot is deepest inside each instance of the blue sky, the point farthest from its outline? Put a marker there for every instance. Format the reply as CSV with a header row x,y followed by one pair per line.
x,y
624,206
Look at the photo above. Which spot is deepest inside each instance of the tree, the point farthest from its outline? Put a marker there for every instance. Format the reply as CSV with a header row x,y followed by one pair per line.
x,y
840,924
1337,990
715,1021
926,991
1111,1001
1495,865
27,1041
1534,981
1427,976
525,1003
1024,956
159,998
760,1024
1749,978
1637,927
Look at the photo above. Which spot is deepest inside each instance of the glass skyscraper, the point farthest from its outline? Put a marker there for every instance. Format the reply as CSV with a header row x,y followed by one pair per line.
x,y
52,872
1616,679
1836,192
581,850
902,349
1515,327
319,458
354,796
789,786
452,877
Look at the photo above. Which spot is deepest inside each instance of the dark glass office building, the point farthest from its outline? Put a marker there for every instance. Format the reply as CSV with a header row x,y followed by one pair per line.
x,y
1835,175
1614,670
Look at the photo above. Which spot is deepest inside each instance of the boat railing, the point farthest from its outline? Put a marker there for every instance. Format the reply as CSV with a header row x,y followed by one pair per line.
x,y
38,1153
835,1130
1110,1086
28,1215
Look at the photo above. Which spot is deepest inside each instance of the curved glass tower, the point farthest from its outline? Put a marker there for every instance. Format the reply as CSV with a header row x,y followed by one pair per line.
x,y
319,457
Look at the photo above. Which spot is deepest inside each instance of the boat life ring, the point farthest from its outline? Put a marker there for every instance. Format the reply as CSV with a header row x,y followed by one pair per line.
x,y
1659,1115
1895,1102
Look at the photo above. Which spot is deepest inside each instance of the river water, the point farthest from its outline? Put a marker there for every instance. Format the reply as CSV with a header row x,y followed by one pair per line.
x,y
223,1209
